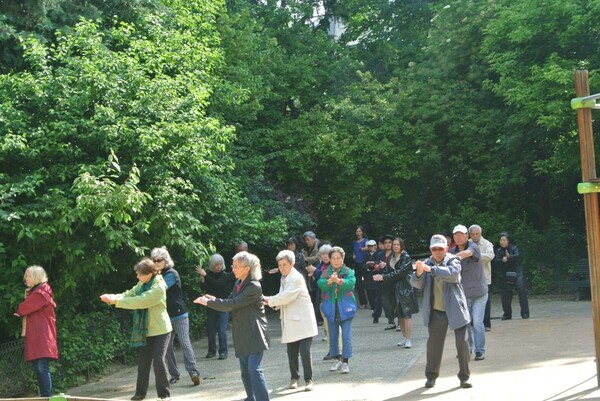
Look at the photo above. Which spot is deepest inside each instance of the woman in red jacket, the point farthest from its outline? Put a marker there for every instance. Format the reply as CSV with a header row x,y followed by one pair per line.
x,y
39,326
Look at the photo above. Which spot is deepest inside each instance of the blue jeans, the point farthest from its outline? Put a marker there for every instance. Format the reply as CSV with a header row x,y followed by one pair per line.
x,y
41,367
477,330
253,377
216,324
334,333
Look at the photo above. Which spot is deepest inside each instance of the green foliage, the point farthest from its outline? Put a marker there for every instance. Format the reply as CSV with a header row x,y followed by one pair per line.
x,y
88,344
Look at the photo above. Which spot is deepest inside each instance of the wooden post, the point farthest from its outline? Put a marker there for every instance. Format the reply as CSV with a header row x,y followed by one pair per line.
x,y
590,200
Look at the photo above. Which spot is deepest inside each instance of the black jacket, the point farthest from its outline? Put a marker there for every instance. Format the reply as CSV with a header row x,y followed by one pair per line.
x,y
249,322
175,303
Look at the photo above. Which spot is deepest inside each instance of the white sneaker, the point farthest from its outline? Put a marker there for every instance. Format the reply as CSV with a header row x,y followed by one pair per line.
x,y
309,385
407,344
293,383
345,368
336,366
402,342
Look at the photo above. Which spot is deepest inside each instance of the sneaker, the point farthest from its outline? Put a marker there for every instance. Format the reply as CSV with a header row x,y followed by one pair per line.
x,y
390,326
328,357
398,329
222,356
173,380
196,379
465,384
293,383
375,320
488,329
402,342
479,356
407,344
430,383
309,385
137,397
210,355
336,366
345,368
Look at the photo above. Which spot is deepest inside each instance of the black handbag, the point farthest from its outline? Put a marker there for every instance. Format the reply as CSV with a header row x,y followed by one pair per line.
x,y
510,277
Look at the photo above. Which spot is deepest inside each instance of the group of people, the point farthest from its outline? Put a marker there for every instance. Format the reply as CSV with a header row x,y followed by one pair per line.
x,y
316,285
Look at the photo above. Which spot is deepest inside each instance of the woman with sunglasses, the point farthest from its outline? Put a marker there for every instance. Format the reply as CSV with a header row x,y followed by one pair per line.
x,y
179,317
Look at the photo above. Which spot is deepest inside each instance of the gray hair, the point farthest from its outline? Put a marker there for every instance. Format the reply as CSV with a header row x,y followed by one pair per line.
x,y
286,254
326,248
252,261
475,227
242,245
337,249
214,260
164,254
309,234
37,274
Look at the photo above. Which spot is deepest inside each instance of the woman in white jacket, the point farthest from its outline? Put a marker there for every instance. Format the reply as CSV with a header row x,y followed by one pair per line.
x,y
298,323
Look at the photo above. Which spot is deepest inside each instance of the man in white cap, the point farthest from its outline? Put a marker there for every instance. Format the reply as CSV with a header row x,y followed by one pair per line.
x,y
444,306
473,282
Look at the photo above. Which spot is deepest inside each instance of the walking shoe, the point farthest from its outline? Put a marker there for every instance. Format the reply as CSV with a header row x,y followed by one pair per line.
x,y
222,356
137,397
488,329
309,385
506,317
336,366
210,355
293,383
398,329
375,320
430,383
390,326
328,357
407,344
525,315
465,384
196,379
173,380
401,343
479,356
345,368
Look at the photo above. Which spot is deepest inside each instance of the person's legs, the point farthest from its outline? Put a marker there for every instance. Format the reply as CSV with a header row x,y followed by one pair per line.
x,y
359,287
346,338
487,323
507,294
41,367
334,333
144,365
257,378
159,349
245,373
520,287
378,301
292,352
305,355
406,327
438,326
223,320
478,329
371,298
462,351
388,299
212,324
170,358
182,328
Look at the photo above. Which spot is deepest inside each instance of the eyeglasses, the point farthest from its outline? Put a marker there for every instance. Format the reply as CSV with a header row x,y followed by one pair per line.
x,y
158,260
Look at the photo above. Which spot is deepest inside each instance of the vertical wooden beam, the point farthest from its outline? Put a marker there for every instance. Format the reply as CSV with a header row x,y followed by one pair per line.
x,y
590,200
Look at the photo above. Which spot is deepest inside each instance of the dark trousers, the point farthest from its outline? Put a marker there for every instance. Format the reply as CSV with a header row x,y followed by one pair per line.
x,y
359,287
374,295
301,347
315,298
153,353
488,307
507,295
438,327
388,299
253,377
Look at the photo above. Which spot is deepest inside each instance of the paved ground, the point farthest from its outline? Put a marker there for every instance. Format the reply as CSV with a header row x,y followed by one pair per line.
x,y
549,357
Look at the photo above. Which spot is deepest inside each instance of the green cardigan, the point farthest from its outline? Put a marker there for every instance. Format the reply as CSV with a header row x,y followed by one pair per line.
x,y
155,300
